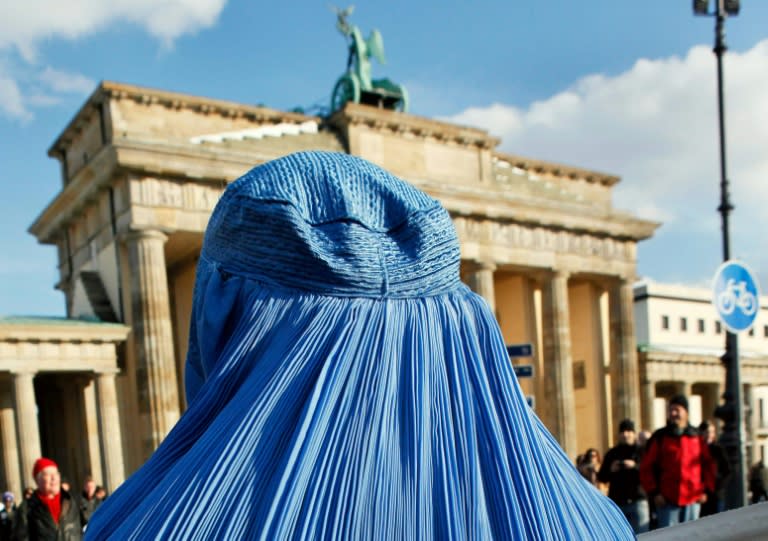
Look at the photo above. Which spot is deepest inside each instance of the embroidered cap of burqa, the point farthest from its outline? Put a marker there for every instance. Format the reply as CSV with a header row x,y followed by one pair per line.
x,y
344,384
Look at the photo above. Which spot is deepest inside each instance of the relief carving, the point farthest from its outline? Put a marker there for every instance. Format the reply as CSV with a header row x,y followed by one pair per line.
x,y
540,238
167,194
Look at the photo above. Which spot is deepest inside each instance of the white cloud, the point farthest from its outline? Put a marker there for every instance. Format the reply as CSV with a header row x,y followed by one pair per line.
x,y
11,102
24,24
655,125
65,82
42,100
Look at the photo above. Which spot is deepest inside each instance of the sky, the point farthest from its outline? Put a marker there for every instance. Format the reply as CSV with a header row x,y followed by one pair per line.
x,y
626,88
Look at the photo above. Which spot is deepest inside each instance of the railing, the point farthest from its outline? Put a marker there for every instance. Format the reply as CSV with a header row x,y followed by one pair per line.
x,y
748,523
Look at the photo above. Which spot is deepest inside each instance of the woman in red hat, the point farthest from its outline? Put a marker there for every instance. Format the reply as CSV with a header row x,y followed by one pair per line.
x,y
50,513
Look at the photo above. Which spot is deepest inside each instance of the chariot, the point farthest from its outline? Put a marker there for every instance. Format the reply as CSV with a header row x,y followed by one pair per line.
x,y
356,84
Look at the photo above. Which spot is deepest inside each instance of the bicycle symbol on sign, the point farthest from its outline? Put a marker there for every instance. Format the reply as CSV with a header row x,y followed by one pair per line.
x,y
736,295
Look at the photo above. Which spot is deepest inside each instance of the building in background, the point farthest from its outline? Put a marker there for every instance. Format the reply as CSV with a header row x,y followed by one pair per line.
x,y
141,172
680,340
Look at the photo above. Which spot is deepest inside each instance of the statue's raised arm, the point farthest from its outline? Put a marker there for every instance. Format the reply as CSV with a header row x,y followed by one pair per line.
x,y
341,19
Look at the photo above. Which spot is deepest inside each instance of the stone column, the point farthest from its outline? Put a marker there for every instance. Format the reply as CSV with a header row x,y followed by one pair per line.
x,y
157,394
624,366
109,429
717,393
26,423
480,280
685,388
649,395
10,444
750,424
92,429
558,364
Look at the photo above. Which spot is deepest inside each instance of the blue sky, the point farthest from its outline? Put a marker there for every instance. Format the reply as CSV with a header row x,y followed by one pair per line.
x,y
622,87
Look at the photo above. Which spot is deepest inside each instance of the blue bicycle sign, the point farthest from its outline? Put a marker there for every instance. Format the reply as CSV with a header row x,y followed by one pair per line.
x,y
736,296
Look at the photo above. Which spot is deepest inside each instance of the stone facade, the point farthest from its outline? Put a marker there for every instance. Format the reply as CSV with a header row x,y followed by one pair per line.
x,y
142,170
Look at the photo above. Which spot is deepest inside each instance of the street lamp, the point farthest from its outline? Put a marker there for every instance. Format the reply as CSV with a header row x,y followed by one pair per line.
x,y
731,412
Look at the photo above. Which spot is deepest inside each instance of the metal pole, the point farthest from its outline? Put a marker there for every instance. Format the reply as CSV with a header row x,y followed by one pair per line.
x,y
732,412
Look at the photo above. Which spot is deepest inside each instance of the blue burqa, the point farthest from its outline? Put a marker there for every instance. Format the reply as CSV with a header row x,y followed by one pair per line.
x,y
344,384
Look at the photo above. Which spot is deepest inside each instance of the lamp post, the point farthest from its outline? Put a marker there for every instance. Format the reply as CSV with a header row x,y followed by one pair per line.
x,y
731,412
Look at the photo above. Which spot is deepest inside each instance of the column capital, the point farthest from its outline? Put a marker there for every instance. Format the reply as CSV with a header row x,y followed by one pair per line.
x,y
113,372
624,279
23,372
563,274
474,265
142,234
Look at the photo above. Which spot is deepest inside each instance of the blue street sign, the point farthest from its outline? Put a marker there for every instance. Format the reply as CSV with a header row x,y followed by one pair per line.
x,y
523,370
736,296
531,401
520,350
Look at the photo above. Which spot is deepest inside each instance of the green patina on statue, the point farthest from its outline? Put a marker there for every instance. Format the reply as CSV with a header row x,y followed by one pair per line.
x,y
356,84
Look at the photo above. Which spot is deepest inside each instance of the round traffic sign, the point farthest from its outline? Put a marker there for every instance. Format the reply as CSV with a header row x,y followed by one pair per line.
x,y
736,296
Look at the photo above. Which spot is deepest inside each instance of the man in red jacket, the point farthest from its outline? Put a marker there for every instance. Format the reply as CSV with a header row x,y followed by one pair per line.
x,y
677,468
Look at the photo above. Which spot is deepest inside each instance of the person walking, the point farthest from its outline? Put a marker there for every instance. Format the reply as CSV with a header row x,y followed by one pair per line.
x,y
715,499
677,469
621,470
51,513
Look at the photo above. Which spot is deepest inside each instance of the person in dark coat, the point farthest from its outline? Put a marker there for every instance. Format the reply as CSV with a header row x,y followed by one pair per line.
x,y
715,498
758,481
50,514
621,470
7,513
89,499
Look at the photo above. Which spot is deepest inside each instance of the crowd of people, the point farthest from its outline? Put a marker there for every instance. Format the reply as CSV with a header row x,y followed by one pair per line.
x,y
674,475
50,511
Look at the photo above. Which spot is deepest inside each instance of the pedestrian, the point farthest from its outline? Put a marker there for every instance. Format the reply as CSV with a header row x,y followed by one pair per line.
x,y
101,493
758,482
715,499
588,465
642,439
89,500
50,513
344,384
677,469
621,470
7,513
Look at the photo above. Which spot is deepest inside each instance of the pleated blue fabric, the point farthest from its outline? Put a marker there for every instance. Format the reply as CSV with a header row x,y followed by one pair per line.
x,y
343,384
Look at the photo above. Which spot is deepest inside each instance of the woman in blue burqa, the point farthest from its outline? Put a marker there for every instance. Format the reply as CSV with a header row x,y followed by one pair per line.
x,y
343,383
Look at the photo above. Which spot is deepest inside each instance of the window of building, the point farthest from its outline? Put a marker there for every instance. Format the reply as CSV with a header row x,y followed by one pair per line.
x,y
683,324
765,331
701,325
665,322
718,327
752,331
